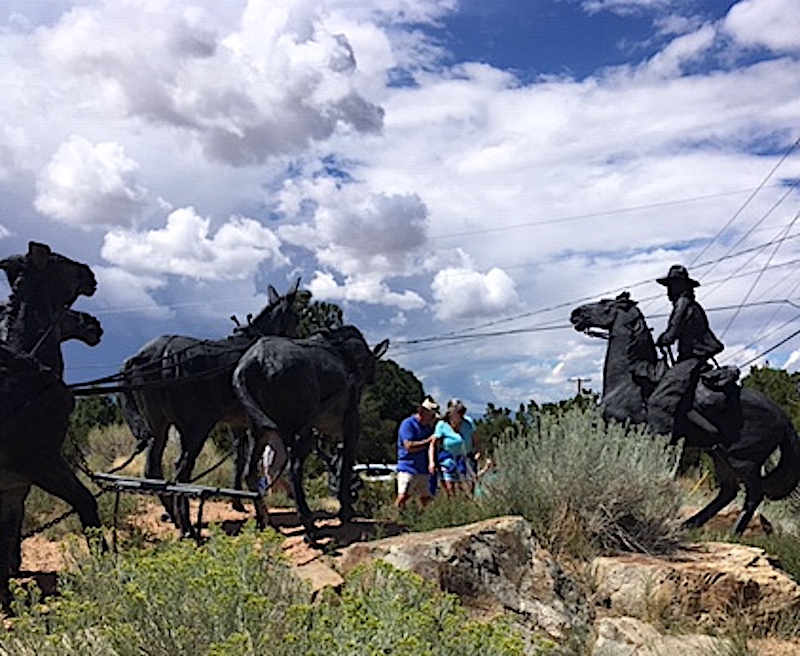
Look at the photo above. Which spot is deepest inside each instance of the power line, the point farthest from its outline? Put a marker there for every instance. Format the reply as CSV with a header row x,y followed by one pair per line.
x,y
748,201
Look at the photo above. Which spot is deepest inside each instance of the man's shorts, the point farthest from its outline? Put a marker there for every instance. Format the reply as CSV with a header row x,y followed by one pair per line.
x,y
412,484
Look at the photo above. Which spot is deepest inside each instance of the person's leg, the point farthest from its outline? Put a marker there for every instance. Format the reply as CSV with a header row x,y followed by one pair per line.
x,y
404,480
419,488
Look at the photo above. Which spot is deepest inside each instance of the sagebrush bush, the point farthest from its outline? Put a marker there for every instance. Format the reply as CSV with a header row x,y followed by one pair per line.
x,y
444,512
237,597
589,487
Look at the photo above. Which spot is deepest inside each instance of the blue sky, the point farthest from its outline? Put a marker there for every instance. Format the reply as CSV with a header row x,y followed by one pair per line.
x,y
456,175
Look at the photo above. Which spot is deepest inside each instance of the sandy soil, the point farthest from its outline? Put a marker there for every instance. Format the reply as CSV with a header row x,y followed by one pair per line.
x,y
42,559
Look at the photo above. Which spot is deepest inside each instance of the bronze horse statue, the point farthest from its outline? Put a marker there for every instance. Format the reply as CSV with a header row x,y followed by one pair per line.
x,y
185,382
750,426
34,402
293,386
73,325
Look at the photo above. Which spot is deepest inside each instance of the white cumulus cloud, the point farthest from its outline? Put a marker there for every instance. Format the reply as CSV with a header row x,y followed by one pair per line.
x,y
87,184
363,289
356,231
187,247
773,24
461,293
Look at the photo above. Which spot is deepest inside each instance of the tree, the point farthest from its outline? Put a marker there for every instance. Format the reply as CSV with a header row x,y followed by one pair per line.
x,y
780,386
91,411
316,315
391,398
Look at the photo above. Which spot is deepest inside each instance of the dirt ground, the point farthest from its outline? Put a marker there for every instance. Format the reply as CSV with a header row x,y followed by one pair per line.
x,y
42,558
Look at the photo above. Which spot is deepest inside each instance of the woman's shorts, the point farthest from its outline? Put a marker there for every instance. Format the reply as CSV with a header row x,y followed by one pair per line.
x,y
413,484
452,467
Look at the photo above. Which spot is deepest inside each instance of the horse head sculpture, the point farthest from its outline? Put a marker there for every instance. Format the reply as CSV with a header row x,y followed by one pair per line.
x,y
43,286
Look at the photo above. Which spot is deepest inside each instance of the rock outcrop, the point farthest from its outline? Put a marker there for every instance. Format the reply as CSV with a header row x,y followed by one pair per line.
x,y
705,584
494,566
497,566
627,636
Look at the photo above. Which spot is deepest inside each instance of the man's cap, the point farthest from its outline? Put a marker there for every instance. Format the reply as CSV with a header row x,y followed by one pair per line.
x,y
430,404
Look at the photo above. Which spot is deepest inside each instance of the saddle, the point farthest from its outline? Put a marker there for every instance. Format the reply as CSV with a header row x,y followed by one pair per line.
x,y
716,390
714,406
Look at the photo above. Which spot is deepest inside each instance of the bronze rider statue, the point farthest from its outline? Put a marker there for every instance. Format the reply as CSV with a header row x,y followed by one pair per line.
x,y
670,405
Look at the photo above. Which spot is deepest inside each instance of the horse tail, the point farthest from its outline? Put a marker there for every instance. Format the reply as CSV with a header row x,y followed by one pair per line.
x,y
242,378
782,481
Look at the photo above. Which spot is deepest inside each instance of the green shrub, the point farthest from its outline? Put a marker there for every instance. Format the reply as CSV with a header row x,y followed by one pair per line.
x,y
236,596
589,487
444,512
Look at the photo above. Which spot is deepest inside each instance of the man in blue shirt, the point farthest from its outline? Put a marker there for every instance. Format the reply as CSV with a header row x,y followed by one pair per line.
x,y
414,463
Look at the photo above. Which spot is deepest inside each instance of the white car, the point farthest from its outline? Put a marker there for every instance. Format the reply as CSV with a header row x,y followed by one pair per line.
x,y
376,471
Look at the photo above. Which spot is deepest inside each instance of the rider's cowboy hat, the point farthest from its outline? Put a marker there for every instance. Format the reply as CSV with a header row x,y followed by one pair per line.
x,y
677,273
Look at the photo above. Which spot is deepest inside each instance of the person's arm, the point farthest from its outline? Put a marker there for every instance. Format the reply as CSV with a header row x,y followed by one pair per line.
x,y
432,455
476,440
675,324
411,445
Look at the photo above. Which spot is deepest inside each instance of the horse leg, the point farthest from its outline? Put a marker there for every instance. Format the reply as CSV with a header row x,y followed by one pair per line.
x,y
154,467
243,442
55,477
17,507
253,475
347,459
8,510
727,491
299,449
754,495
190,449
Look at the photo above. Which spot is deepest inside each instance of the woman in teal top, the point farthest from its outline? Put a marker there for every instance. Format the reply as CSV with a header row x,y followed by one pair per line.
x,y
452,451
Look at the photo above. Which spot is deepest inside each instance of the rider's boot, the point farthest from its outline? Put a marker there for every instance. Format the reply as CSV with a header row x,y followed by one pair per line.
x,y
702,423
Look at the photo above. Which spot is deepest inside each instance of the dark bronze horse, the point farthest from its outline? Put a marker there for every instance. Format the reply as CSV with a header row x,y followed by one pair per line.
x,y
186,383
751,427
34,402
292,386
73,325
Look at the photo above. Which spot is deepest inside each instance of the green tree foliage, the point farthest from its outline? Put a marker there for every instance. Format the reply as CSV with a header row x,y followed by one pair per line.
x,y
391,398
316,315
91,411
780,386
502,424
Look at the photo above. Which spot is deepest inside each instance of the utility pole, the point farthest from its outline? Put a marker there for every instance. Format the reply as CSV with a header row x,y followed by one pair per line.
x,y
580,381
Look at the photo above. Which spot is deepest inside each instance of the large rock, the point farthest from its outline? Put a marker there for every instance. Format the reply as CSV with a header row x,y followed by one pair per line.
x,y
627,636
494,565
707,583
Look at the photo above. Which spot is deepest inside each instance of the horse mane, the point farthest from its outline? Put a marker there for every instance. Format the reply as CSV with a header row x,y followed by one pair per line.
x,y
640,344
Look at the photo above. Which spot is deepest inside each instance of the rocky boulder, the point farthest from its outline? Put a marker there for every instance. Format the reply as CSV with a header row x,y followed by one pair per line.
x,y
627,636
706,584
493,566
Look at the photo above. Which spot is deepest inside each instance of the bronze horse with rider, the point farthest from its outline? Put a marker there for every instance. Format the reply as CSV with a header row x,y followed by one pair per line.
x,y
737,426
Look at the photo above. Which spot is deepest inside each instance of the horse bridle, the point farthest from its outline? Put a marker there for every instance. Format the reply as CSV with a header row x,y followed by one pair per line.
x,y
596,333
